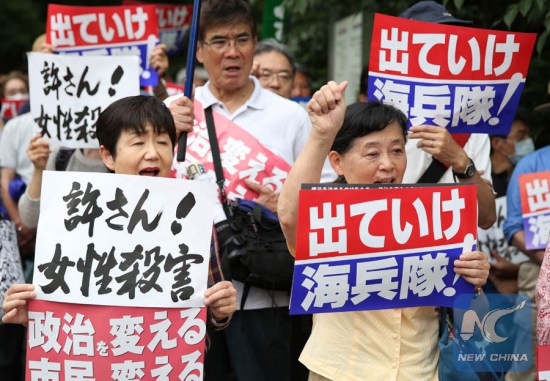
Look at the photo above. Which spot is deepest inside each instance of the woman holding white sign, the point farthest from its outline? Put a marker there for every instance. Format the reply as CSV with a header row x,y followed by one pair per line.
x,y
136,136
365,145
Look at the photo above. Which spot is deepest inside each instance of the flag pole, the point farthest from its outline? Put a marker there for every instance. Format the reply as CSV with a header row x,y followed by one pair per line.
x,y
190,71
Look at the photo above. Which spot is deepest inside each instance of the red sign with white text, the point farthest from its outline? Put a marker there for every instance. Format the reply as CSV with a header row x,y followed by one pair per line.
x,y
534,191
86,342
435,51
76,26
174,21
543,362
367,247
10,108
116,30
351,222
243,157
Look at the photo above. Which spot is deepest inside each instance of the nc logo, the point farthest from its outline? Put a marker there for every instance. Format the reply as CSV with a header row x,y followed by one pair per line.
x,y
487,325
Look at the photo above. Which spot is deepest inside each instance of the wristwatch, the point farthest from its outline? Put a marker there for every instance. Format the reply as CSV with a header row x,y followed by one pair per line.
x,y
468,172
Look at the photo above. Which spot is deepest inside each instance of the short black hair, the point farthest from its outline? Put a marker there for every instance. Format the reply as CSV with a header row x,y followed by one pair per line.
x,y
271,45
226,12
363,118
133,114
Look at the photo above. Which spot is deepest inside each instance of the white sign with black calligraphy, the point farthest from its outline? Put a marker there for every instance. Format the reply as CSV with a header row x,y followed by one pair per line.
x,y
67,93
123,240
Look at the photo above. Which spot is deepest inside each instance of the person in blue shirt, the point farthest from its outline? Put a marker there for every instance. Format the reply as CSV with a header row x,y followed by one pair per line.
x,y
537,161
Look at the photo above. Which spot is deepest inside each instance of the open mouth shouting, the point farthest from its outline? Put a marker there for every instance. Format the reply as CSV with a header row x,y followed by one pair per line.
x,y
387,180
150,171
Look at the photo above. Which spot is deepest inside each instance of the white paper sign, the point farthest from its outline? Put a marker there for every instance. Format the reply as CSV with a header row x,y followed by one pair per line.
x,y
10,263
493,239
123,240
67,93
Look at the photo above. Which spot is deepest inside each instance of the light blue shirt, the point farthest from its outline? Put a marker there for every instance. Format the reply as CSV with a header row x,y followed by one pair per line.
x,y
538,161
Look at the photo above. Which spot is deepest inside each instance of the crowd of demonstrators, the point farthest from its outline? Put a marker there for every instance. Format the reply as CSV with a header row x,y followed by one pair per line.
x,y
256,345
250,83
506,151
351,345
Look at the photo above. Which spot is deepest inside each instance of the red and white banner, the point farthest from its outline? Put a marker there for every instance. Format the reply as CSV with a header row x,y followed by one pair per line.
x,y
534,192
114,30
363,247
243,157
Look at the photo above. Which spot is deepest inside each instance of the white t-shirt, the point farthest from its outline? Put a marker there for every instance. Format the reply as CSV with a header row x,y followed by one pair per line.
x,y
477,147
280,125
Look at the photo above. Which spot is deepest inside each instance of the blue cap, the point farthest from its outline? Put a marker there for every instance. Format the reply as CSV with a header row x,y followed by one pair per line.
x,y
430,11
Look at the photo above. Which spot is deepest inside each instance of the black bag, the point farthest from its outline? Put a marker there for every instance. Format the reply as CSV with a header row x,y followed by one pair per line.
x,y
253,247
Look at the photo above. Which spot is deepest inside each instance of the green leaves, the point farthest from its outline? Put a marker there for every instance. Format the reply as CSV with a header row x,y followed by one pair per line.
x,y
510,16
525,6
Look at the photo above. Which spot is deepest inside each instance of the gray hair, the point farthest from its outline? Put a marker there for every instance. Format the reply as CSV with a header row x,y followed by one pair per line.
x,y
271,45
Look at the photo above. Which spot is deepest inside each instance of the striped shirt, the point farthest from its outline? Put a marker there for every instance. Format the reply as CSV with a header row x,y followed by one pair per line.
x,y
385,345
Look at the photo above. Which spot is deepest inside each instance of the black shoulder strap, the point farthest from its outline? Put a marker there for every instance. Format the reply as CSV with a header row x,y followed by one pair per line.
x,y
62,158
433,173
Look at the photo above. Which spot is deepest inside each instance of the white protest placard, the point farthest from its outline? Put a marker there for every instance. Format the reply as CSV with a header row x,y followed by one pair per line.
x,y
10,262
493,240
123,240
67,93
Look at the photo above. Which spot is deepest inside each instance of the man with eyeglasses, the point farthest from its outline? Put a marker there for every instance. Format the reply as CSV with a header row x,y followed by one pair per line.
x,y
257,342
274,67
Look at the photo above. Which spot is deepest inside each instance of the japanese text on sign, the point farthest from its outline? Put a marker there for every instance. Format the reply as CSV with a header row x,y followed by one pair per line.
x,y
127,264
174,22
381,247
534,193
242,155
69,342
68,93
463,79
117,30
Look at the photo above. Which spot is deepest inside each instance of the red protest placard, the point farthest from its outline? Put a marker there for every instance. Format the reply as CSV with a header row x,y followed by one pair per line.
x,y
85,342
243,157
467,80
100,31
333,223
78,26
174,20
10,108
434,51
534,191
364,247
543,362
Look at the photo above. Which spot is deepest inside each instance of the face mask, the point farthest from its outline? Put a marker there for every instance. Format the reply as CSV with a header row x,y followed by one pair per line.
x,y
18,97
523,148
